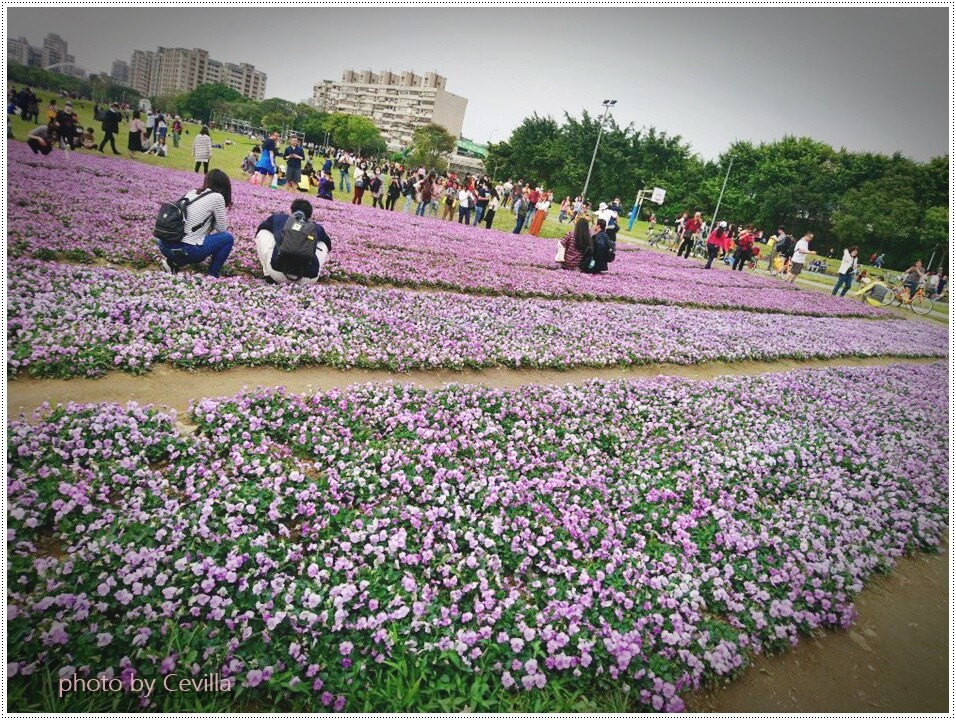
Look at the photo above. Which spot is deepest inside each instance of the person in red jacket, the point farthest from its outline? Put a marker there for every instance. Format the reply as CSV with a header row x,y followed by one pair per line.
x,y
745,247
718,240
691,227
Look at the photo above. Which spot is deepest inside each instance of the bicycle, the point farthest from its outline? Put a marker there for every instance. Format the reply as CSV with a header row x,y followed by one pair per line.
x,y
878,293
659,237
918,303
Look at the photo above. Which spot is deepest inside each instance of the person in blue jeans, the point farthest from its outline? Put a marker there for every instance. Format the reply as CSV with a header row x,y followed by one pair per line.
x,y
345,184
521,211
847,270
206,228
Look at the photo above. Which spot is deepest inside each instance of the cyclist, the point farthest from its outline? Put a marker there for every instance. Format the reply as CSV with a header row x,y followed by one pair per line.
x,y
913,278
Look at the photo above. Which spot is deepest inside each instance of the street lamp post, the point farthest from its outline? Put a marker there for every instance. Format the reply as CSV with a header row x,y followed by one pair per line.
x,y
608,104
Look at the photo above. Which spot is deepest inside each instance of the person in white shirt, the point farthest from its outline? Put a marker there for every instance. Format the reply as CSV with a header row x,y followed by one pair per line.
x,y
465,202
800,253
206,227
847,270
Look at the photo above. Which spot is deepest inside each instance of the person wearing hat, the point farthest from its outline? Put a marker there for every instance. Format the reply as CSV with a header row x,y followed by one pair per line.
x,y
717,241
66,126
110,127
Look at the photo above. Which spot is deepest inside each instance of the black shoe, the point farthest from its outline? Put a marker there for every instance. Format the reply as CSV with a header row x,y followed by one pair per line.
x,y
270,280
168,267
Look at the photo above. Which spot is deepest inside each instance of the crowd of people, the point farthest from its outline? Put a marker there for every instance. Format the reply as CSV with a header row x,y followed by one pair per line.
x,y
391,186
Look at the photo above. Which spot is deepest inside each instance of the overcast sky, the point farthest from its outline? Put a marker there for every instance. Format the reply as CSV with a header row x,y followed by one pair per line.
x,y
866,79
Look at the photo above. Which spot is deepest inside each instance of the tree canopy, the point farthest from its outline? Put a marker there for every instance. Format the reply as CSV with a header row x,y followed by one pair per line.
x,y
888,204
430,145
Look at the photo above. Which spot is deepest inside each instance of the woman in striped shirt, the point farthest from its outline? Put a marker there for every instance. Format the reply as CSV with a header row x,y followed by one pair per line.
x,y
206,227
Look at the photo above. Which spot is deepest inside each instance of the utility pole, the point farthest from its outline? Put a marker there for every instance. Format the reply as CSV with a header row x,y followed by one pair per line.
x,y
608,104
722,187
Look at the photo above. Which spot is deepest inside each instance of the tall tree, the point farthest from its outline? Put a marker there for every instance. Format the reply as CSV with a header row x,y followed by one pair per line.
x,y
201,102
431,144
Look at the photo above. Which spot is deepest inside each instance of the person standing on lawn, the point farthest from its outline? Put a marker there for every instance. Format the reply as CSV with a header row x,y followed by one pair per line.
x,y
294,156
521,206
207,230
745,248
393,193
110,127
800,252
847,270
688,229
716,242
202,150
493,206
540,214
483,196
465,200
177,131
266,167
136,138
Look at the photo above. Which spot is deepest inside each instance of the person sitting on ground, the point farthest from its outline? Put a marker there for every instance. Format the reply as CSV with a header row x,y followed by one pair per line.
x,y
283,241
206,227
249,161
88,140
158,148
42,139
575,242
326,186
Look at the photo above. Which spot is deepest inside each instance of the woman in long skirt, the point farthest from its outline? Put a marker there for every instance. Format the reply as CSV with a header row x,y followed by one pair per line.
x,y
541,212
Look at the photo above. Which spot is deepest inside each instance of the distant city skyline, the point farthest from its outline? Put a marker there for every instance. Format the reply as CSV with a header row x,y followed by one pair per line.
x,y
868,79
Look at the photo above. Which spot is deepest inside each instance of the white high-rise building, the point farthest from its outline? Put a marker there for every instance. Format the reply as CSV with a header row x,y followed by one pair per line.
x,y
398,104
176,70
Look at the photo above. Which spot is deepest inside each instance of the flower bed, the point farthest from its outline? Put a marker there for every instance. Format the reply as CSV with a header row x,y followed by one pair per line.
x,y
390,548
65,320
113,216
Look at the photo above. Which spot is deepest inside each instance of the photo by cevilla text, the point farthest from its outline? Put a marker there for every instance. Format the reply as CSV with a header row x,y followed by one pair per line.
x,y
145,687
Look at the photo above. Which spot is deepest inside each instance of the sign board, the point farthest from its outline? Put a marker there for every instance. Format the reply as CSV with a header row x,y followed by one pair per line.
x,y
658,196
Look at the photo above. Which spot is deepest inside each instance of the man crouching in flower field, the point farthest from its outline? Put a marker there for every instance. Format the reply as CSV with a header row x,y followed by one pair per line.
x,y
292,249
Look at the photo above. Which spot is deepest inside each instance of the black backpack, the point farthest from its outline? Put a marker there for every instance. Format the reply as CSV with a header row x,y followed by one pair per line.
x,y
170,224
296,251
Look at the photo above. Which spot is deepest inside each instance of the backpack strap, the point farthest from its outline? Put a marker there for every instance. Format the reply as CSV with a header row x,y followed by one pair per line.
x,y
187,203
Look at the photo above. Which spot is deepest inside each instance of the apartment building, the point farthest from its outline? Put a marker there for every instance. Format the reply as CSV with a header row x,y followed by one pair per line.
x,y
53,52
398,103
176,70
119,73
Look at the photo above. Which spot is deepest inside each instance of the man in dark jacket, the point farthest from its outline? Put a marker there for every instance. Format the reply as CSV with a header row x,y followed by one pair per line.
x,y
595,257
111,127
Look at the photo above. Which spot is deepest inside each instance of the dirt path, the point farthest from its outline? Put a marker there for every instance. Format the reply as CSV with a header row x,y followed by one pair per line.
x,y
894,659
175,388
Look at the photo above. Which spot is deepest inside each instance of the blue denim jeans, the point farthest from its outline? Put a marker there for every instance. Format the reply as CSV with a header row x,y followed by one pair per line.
x,y
216,245
846,281
409,199
345,185
464,215
518,225
479,213
420,210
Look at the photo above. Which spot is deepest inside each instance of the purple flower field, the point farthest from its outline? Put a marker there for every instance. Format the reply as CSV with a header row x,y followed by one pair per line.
x,y
112,219
66,320
640,538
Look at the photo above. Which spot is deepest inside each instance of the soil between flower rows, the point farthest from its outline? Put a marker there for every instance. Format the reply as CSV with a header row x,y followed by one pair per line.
x,y
176,388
